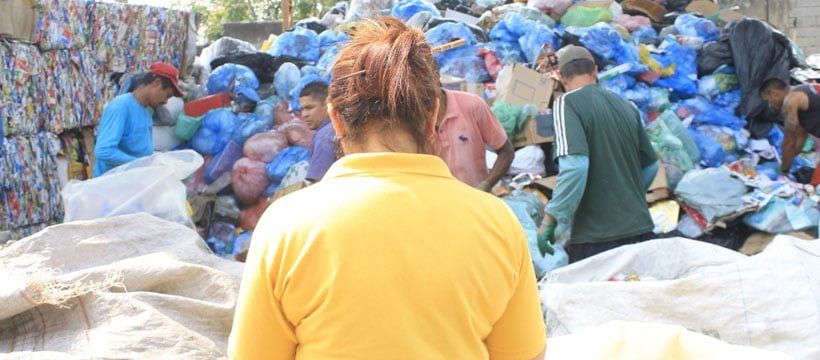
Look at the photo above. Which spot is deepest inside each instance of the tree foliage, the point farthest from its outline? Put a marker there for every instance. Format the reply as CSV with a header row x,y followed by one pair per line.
x,y
213,15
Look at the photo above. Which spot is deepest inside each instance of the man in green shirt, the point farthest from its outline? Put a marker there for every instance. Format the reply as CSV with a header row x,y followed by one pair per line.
x,y
606,164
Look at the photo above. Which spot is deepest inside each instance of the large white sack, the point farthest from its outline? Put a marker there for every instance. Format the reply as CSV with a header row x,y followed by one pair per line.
x,y
151,184
769,301
126,287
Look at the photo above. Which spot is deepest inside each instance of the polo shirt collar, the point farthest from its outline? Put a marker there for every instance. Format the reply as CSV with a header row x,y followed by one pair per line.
x,y
388,162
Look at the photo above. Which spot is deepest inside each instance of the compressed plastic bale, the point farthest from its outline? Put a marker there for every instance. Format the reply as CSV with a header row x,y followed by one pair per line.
x,y
286,79
534,40
249,180
297,133
249,217
250,124
693,26
278,168
216,130
265,146
404,10
223,78
552,7
711,152
301,43
583,16
222,162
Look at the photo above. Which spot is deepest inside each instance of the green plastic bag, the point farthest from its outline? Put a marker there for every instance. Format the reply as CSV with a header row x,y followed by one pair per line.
x,y
583,16
669,147
513,117
675,125
187,126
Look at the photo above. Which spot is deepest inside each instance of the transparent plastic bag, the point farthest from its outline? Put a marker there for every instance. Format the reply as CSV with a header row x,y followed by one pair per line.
x,y
714,192
507,53
223,78
167,114
151,184
512,27
668,146
512,117
675,125
301,43
552,7
465,63
782,216
215,132
542,264
286,79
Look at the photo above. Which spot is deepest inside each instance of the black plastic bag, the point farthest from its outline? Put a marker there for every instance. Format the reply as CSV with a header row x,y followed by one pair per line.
x,y
714,55
262,64
479,33
312,24
761,120
677,5
758,55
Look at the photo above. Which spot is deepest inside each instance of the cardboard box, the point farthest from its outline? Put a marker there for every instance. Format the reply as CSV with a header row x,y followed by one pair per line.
x,y
520,85
530,134
659,189
646,7
17,18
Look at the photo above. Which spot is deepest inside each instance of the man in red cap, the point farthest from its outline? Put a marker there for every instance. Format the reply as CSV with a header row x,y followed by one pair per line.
x,y
124,133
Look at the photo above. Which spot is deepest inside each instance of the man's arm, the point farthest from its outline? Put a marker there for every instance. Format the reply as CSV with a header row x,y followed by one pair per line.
x,y
573,171
502,165
795,136
110,133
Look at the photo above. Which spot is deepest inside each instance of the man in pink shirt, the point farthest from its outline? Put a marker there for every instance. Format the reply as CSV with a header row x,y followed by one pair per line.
x,y
466,127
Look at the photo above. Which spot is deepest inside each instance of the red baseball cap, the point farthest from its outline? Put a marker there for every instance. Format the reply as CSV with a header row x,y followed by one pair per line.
x,y
169,72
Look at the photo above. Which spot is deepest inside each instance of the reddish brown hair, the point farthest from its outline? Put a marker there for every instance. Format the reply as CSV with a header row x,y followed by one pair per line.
x,y
384,80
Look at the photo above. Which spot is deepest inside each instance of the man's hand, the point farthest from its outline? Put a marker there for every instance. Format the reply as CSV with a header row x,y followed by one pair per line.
x,y
484,186
546,235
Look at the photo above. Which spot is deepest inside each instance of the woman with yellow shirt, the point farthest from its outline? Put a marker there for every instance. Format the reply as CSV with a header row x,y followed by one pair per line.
x,y
389,257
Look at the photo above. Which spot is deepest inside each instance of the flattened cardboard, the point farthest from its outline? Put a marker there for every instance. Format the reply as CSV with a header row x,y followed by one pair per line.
x,y
529,135
17,19
703,7
525,86
659,189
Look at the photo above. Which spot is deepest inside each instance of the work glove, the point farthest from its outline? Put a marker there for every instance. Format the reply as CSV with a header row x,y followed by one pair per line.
x,y
546,235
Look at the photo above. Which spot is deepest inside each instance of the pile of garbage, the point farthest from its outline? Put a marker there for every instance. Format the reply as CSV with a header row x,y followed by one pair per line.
x,y
694,77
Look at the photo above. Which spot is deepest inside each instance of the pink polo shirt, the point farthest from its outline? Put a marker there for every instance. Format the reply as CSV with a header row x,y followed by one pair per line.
x,y
468,128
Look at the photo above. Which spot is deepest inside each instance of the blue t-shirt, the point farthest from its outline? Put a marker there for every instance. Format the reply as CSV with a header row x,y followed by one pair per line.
x,y
322,151
124,134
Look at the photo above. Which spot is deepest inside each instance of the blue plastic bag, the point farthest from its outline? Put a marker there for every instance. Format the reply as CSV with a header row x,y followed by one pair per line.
x,y
640,94
448,32
311,70
223,78
242,243
693,26
782,216
328,58
507,53
534,40
684,80
711,152
301,43
330,38
542,264
286,79
297,90
278,168
606,42
404,10
251,124
216,130
728,100
222,162
221,238
775,137
619,84
511,28
464,63
644,35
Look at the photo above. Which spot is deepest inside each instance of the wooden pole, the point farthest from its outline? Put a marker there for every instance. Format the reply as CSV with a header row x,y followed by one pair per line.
x,y
287,15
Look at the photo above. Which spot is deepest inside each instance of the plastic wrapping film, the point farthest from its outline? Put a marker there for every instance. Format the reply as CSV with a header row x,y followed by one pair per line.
x,y
30,186
61,24
128,38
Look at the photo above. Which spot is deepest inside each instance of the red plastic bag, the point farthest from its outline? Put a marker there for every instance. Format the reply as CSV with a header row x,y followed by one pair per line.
x,y
265,146
298,134
249,217
249,180
491,62
633,23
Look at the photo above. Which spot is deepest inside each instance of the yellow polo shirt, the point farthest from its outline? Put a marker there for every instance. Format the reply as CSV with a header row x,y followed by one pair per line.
x,y
389,257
